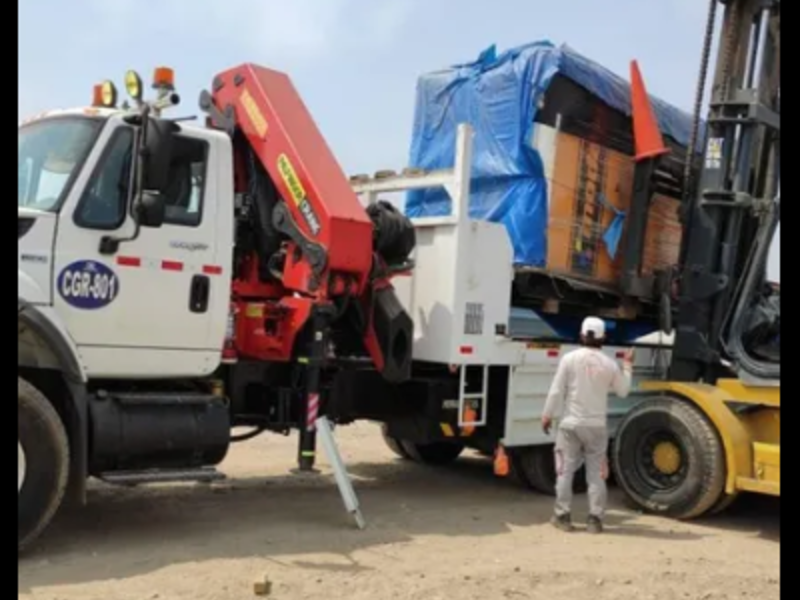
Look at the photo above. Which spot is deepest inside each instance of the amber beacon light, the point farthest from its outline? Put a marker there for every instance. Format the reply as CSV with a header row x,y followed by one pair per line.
x,y
164,78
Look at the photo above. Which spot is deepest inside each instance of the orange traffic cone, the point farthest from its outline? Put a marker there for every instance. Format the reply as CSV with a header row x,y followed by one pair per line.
x,y
470,416
501,466
646,135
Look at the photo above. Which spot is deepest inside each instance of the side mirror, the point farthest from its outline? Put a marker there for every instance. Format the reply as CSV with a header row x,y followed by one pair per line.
x,y
157,154
151,209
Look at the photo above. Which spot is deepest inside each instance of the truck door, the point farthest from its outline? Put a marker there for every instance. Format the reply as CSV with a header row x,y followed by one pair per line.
x,y
145,311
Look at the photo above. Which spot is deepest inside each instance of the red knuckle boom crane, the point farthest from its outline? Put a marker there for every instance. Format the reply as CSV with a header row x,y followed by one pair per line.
x,y
308,245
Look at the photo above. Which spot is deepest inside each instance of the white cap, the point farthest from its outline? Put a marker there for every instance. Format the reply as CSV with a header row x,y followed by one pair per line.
x,y
594,326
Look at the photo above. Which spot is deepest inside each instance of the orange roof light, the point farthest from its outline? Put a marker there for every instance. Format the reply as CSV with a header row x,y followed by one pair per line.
x,y
97,95
164,78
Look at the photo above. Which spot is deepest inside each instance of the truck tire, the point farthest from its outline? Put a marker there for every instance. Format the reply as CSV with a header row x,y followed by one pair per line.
x,y
535,467
435,453
42,463
668,459
394,444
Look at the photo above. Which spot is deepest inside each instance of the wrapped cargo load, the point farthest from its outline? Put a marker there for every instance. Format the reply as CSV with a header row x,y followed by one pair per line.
x,y
553,161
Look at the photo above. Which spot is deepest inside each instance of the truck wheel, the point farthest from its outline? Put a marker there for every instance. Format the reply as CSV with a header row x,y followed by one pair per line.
x,y
668,459
536,468
436,453
393,443
42,463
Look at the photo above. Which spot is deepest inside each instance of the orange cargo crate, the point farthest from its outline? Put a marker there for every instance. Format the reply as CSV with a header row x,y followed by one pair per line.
x,y
587,181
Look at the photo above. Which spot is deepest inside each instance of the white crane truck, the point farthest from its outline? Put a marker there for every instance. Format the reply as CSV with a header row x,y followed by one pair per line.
x,y
176,282
246,286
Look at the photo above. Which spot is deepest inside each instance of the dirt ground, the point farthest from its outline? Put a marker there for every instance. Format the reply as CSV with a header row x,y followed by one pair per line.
x,y
454,533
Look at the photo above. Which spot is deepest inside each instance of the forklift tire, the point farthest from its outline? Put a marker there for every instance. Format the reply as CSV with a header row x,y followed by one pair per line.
x,y
435,453
535,467
668,459
394,444
723,503
42,463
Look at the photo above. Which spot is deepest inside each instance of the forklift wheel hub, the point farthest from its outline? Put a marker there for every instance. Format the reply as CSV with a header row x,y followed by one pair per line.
x,y
667,458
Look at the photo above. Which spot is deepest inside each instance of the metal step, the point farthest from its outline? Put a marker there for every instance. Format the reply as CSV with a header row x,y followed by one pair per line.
x,y
131,478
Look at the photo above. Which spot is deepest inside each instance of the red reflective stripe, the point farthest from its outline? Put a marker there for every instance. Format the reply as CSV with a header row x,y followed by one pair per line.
x,y
129,261
166,265
171,265
465,350
552,353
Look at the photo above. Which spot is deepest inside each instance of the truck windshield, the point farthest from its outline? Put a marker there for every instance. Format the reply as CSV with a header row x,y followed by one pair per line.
x,y
51,153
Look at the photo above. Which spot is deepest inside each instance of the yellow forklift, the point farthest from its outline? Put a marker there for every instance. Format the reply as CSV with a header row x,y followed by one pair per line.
x,y
711,429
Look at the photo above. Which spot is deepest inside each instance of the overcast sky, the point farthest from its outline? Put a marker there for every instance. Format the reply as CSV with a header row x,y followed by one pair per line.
x,y
355,62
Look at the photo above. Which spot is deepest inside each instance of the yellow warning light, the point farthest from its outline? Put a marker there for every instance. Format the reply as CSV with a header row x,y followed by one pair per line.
x,y
133,85
108,93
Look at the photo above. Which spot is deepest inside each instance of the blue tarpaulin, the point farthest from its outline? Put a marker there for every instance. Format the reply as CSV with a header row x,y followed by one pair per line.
x,y
498,95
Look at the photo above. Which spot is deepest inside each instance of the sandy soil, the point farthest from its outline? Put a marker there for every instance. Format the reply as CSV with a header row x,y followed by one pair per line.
x,y
455,533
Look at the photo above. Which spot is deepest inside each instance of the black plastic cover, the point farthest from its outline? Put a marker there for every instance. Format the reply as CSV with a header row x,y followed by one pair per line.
x,y
394,238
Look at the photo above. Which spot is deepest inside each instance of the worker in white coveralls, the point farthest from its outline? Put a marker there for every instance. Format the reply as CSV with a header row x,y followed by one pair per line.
x,y
578,400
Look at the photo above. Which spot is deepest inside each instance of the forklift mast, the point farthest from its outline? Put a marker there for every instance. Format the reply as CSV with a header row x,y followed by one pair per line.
x,y
732,207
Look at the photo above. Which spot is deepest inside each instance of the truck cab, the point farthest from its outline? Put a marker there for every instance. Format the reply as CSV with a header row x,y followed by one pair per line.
x,y
156,305
116,283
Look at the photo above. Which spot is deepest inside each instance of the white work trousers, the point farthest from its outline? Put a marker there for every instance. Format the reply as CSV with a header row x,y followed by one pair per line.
x,y
576,446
